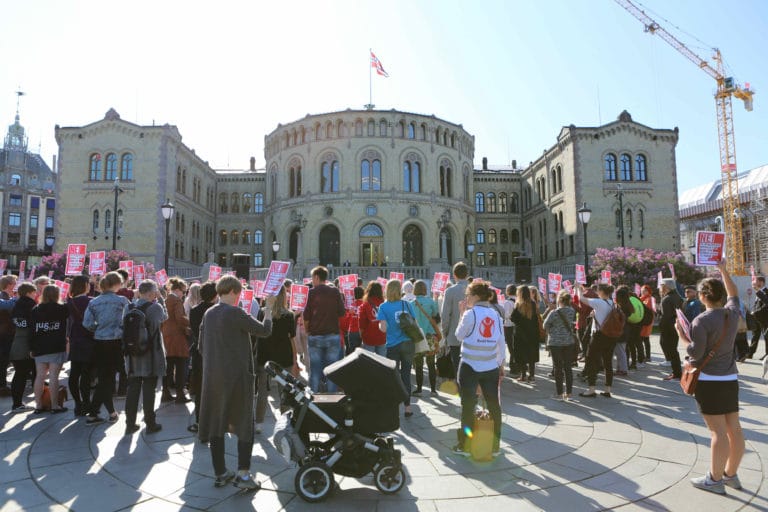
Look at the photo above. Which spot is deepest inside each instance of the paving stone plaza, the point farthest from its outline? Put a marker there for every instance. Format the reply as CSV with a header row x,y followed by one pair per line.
x,y
635,451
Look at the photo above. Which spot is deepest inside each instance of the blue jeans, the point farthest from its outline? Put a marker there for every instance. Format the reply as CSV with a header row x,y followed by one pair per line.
x,y
376,349
403,353
323,351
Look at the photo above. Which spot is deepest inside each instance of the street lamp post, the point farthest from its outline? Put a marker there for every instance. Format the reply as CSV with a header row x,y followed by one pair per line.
x,y
167,209
114,220
275,249
584,215
471,250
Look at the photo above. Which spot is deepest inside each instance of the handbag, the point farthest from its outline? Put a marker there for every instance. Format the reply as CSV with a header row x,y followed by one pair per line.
x,y
432,322
444,364
45,399
411,329
690,375
569,326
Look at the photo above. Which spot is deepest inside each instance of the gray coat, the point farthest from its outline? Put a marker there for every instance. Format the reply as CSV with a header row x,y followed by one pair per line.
x,y
226,403
151,364
449,315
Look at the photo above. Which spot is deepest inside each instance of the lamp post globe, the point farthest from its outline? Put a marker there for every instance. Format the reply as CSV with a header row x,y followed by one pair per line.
x,y
471,250
167,210
275,249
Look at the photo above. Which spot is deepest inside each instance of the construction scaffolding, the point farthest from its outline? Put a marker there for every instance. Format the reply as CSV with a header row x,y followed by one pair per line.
x,y
758,206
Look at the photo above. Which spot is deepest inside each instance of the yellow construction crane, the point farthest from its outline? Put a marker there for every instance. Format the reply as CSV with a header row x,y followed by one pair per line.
x,y
726,88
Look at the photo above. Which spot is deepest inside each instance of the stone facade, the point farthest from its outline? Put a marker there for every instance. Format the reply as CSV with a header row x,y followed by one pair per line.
x,y
371,189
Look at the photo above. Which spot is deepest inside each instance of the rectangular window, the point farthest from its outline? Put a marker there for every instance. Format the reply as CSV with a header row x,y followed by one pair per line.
x,y
49,222
481,259
33,221
14,238
34,203
492,261
15,200
50,204
14,219
32,241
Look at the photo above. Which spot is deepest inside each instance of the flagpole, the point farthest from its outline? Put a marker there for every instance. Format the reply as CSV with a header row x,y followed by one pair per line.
x,y
370,104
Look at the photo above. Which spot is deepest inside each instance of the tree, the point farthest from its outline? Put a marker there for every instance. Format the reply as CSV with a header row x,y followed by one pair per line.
x,y
57,263
629,266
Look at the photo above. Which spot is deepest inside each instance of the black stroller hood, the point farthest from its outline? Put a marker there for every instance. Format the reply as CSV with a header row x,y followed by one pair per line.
x,y
368,376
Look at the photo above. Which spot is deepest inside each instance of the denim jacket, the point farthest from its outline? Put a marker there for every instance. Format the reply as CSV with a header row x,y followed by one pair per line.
x,y
104,316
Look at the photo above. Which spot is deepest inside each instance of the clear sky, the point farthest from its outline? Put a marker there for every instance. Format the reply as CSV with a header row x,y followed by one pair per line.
x,y
511,72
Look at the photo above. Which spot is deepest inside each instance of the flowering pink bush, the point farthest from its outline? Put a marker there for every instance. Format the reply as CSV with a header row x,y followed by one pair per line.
x,y
630,266
57,262
113,259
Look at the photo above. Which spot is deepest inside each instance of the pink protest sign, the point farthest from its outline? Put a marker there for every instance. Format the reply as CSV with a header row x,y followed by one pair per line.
x,y
258,288
638,290
683,322
543,286
64,287
555,280
499,294
440,282
214,273
605,276
50,273
3,265
709,247
22,267
75,259
568,286
349,297
348,282
246,297
672,270
581,276
278,270
128,266
659,277
400,276
382,281
161,276
306,280
139,273
299,293
98,263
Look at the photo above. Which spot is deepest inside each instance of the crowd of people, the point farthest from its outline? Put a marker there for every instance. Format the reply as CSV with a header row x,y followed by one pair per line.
x,y
200,342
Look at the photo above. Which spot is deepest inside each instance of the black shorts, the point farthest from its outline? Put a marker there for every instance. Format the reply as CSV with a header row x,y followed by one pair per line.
x,y
717,396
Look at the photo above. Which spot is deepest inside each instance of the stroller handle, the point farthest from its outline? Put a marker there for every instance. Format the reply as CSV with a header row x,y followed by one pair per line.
x,y
275,370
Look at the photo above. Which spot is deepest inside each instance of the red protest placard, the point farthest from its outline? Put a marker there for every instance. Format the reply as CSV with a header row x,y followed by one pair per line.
x,y
440,282
64,287
214,273
22,267
349,297
278,270
128,266
400,276
98,263
605,276
306,280
638,290
382,281
258,288
581,275
161,276
75,259
3,266
348,282
139,273
710,246
555,280
246,297
543,287
299,293
499,294
672,271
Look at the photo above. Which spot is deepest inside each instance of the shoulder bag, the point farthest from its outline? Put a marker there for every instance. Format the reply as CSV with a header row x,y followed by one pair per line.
x,y
690,376
411,329
435,327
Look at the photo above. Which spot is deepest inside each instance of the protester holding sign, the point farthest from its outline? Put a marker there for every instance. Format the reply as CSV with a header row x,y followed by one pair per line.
x,y
373,339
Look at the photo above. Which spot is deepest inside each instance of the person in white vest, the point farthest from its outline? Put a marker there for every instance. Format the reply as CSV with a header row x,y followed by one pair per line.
x,y
483,352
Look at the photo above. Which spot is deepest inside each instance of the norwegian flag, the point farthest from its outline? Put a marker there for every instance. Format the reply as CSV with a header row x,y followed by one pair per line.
x,y
376,63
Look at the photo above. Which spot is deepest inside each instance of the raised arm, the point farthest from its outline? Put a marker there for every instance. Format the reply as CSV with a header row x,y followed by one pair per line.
x,y
730,287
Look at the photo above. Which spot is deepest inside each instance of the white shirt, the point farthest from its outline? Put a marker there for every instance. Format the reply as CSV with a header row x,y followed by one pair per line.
x,y
602,308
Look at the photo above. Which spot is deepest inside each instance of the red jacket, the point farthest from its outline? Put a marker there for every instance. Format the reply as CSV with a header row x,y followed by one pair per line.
x,y
351,321
369,326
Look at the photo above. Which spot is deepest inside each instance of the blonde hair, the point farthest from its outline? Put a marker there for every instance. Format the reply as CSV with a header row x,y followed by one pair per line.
x,y
394,290
564,298
110,280
277,303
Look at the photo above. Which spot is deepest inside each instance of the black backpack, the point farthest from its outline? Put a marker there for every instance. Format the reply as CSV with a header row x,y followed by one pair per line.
x,y
136,339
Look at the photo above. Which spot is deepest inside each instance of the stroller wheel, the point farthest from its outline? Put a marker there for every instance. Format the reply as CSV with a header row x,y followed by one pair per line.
x,y
314,482
389,479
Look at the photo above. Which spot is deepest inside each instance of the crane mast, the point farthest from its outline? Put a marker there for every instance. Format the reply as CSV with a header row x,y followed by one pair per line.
x,y
726,89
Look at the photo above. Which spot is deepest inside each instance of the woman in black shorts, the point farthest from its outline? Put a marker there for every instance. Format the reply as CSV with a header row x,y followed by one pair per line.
x,y
717,392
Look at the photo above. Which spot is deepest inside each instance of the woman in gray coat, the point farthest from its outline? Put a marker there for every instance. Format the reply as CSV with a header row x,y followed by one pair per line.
x,y
226,403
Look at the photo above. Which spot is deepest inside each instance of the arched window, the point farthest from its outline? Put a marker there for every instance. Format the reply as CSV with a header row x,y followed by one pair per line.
x,y
445,180
423,132
412,131
411,176
247,202
504,236
370,174
515,236
328,245
628,222
126,167
95,168
111,171
617,218
223,202
641,222
491,236
560,221
610,167
246,237
119,220
258,237
559,179
503,203
223,237
329,176
178,179
184,181
95,220
626,167
235,202
480,237
107,220
554,180
412,246
640,171
235,237
479,202
258,203
382,128
258,260
371,128
401,129
514,204
491,201
358,128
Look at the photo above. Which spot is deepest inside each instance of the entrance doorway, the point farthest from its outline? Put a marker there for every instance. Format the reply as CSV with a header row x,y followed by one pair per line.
x,y
371,245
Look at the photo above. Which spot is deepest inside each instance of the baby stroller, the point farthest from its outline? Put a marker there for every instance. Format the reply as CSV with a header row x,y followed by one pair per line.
x,y
353,422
